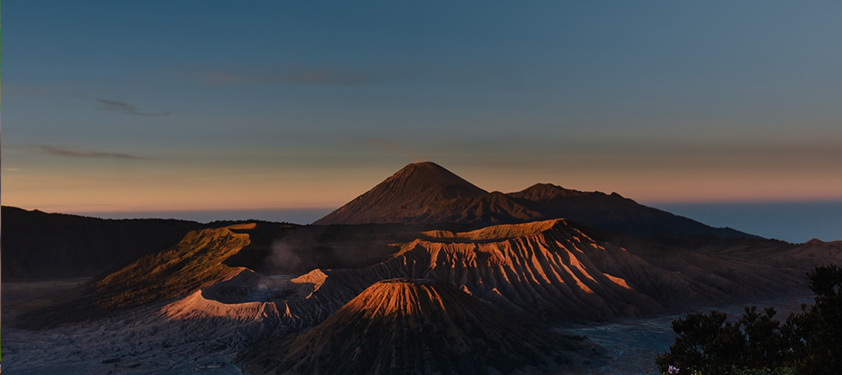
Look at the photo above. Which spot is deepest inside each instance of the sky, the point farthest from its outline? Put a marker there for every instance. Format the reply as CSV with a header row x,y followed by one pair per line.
x,y
208,105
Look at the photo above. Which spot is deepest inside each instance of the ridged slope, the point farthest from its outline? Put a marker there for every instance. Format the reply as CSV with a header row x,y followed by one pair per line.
x,y
546,269
412,327
193,263
543,268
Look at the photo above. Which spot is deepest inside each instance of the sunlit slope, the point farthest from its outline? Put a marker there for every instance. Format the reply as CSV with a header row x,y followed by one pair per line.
x,y
195,262
407,326
546,269
551,268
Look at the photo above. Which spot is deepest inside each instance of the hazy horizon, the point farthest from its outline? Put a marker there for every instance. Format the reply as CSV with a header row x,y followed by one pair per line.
x,y
793,221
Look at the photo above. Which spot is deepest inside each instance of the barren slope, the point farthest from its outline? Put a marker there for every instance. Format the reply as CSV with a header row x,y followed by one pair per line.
x,y
38,245
405,194
614,213
408,326
553,269
193,263
548,269
425,193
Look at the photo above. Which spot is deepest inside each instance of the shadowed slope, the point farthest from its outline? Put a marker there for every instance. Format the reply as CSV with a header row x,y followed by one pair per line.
x,y
39,245
406,194
614,213
411,327
548,269
425,193
545,192
487,209
553,269
193,263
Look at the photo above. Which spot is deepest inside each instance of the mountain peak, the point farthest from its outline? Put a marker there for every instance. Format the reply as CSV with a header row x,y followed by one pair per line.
x,y
426,174
405,194
426,193
424,164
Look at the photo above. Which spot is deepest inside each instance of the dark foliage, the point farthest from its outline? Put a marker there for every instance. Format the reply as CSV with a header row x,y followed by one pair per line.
x,y
809,342
816,332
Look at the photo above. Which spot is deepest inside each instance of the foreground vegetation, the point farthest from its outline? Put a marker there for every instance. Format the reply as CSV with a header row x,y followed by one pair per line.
x,y
807,343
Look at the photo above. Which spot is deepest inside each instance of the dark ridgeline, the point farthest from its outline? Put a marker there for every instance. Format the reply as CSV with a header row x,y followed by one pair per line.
x,y
426,193
38,245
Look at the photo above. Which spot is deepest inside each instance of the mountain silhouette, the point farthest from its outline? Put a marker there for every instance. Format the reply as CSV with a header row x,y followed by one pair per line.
x,y
408,193
426,193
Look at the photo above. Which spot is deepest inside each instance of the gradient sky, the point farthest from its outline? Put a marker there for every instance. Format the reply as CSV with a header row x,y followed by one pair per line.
x,y
187,105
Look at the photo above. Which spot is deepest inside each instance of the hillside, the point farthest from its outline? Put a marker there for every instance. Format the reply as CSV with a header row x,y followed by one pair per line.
x,y
426,193
406,194
615,213
195,262
411,326
38,245
555,270
549,270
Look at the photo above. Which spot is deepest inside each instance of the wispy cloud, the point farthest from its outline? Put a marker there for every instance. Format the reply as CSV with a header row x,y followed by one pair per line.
x,y
313,76
126,108
59,91
71,153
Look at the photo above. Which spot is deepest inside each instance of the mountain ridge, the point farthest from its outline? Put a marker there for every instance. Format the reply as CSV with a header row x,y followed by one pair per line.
x,y
426,193
79,246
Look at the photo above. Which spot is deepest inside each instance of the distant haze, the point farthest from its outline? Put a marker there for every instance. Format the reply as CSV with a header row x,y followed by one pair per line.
x,y
297,216
789,221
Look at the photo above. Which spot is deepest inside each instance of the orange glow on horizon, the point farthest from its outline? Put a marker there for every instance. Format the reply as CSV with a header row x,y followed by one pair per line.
x,y
330,189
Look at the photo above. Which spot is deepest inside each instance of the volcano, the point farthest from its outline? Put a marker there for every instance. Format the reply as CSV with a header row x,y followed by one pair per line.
x,y
426,193
407,194
416,326
554,270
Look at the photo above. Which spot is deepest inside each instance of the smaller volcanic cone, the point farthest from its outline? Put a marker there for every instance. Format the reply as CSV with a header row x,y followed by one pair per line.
x,y
410,326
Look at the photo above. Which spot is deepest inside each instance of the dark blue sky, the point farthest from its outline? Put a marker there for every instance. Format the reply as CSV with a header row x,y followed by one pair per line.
x,y
220,105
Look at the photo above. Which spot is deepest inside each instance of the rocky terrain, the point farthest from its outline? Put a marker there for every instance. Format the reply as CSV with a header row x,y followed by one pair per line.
x,y
436,258
412,326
